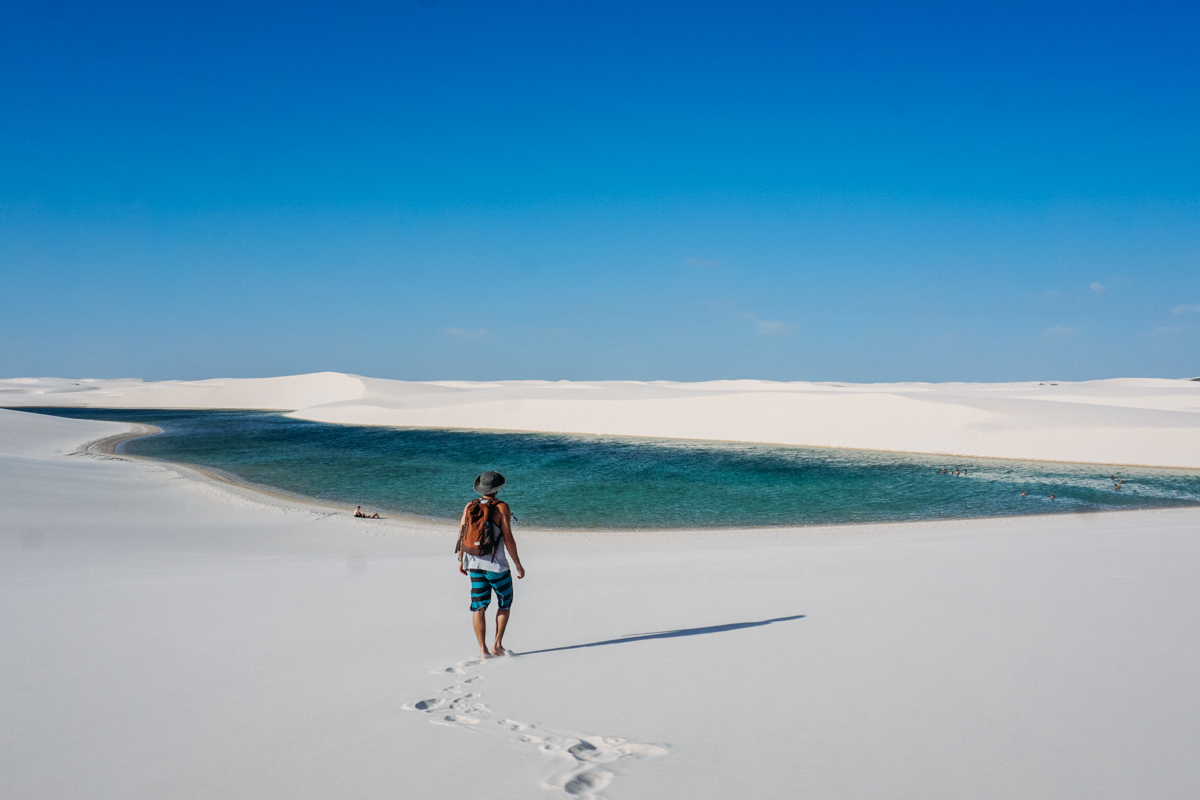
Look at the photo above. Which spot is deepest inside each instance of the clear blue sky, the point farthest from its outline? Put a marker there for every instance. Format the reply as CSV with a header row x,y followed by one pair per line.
x,y
450,189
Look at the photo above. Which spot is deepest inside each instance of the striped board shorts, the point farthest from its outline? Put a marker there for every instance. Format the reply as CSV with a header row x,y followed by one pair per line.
x,y
482,583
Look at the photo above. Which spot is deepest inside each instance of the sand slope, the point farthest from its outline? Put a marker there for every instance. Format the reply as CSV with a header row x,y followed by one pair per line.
x,y
168,637
1150,422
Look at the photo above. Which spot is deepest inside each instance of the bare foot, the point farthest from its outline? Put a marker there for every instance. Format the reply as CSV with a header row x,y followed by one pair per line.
x,y
484,654
499,651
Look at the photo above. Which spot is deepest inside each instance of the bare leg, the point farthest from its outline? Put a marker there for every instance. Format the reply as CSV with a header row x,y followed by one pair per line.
x,y
501,624
479,619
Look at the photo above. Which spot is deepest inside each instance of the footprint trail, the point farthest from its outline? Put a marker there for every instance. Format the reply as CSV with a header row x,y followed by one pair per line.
x,y
584,764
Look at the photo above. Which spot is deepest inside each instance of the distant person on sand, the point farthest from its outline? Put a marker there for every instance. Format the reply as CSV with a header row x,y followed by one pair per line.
x,y
485,533
358,512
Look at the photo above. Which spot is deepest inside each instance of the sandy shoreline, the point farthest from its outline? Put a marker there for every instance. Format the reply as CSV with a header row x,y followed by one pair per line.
x,y
168,635
108,445
107,448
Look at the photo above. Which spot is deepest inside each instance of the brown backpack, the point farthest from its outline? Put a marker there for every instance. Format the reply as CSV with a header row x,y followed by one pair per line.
x,y
479,536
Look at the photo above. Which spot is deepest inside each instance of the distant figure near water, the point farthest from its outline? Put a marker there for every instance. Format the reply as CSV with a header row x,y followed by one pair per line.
x,y
485,533
358,512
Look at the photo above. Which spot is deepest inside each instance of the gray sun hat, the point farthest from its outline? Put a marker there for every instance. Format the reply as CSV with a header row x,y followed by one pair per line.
x,y
489,483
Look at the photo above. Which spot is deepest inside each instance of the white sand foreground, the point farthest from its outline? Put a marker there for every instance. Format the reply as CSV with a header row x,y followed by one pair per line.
x,y
1128,421
169,637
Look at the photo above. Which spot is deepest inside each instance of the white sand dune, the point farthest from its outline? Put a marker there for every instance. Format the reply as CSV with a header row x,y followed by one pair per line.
x,y
1144,421
166,636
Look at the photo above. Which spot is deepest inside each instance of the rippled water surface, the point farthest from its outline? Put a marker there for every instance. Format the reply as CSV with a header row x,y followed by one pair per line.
x,y
618,482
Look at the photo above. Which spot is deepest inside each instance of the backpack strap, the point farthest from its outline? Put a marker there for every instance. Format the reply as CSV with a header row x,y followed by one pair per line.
x,y
462,531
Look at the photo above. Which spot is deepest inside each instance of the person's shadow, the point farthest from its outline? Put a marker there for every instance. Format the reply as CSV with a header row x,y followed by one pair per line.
x,y
641,637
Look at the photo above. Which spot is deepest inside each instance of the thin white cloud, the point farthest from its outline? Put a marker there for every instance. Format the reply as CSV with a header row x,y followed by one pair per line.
x,y
465,333
1166,331
703,263
767,327
1060,330
1184,308
1099,288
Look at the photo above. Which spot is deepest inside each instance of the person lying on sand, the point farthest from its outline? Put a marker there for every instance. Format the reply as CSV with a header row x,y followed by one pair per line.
x,y
487,567
358,512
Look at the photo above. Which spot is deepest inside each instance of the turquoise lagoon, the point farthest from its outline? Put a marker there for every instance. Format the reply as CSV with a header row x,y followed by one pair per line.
x,y
611,482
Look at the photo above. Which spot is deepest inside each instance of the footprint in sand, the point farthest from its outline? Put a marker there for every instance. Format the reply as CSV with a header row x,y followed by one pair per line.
x,y
583,779
460,668
598,749
586,783
432,704
461,720
470,708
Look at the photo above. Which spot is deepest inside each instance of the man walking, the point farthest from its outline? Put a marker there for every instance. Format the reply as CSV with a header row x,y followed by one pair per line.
x,y
489,569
